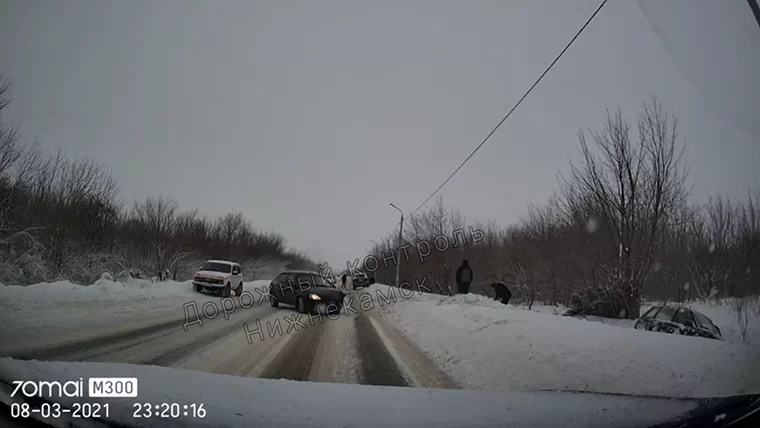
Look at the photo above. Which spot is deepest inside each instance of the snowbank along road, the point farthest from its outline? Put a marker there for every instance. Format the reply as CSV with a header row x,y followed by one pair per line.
x,y
251,339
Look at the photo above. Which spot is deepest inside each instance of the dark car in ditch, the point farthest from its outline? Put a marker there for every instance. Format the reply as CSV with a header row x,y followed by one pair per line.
x,y
677,319
307,291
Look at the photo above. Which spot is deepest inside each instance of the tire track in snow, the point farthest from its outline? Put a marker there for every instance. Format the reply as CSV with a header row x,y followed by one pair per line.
x,y
238,354
162,344
295,360
377,365
337,357
94,346
172,355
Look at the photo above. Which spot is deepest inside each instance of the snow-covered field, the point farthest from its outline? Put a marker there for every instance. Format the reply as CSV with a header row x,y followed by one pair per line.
x,y
484,345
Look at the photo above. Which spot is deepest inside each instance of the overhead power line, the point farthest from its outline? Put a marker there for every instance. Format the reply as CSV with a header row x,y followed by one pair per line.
x,y
588,21
755,10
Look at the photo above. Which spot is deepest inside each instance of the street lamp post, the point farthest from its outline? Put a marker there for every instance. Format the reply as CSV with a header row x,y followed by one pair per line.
x,y
400,236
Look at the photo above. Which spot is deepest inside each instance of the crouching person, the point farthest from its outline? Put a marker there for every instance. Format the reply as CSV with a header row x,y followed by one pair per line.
x,y
502,292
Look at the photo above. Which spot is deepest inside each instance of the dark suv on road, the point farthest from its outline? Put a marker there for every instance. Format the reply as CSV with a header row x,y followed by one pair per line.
x,y
307,291
360,280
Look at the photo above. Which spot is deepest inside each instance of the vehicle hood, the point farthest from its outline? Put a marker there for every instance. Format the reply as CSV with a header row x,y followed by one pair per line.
x,y
212,274
327,293
240,401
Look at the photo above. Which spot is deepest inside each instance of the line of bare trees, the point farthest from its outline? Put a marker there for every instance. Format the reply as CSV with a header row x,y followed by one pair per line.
x,y
619,229
63,219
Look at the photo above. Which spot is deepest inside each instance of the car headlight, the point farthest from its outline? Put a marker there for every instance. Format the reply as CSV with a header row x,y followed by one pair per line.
x,y
314,297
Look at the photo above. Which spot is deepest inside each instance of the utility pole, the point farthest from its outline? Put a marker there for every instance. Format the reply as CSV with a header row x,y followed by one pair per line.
x,y
755,10
375,249
400,237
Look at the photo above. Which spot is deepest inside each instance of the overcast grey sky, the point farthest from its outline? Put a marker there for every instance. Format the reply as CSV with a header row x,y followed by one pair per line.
x,y
310,116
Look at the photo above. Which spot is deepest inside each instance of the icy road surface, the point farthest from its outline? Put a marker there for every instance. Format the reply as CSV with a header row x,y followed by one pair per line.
x,y
391,337
251,340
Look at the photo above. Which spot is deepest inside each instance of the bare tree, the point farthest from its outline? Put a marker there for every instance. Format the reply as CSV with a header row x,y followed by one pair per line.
x,y
712,236
5,88
180,250
743,309
157,216
746,250
10,153
634,189
229,226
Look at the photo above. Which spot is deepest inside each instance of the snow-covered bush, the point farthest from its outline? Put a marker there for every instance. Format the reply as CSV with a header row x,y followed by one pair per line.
x,y
602,301
123,276
88,268
747,311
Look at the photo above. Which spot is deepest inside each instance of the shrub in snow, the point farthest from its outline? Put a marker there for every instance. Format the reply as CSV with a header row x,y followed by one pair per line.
x,y
608,302
105,276
746,309
123,276
23,269
88,267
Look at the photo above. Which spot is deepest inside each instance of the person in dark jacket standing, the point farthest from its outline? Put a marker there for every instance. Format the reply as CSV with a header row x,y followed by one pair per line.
x,y
464,277
343,280
502,292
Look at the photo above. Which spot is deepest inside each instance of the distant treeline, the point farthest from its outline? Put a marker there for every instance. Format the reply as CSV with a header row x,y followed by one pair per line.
x,y
63,219
620,229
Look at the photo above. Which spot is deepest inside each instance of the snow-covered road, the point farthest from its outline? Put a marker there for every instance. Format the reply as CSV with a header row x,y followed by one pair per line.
x,y
253,341
392,337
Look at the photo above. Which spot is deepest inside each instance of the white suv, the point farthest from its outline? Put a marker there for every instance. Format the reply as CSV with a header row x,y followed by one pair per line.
x,y
219,275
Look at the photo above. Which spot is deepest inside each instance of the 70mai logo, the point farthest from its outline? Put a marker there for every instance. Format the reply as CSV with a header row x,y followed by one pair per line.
x,y
72,388
97,387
